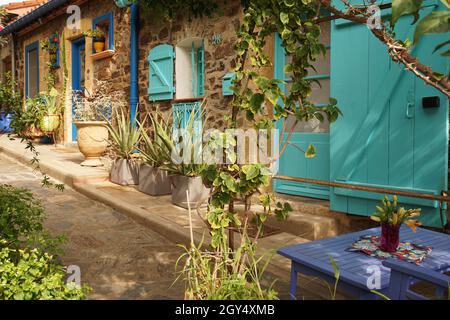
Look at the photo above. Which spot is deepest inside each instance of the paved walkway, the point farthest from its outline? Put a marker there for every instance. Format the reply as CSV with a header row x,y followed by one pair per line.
x,y
119,258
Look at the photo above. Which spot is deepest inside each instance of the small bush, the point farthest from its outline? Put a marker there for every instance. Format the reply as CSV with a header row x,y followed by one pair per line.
x,y
30,274
21,215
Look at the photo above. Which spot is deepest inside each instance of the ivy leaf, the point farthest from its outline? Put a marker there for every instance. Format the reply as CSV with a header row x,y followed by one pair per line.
x,y
284,17
435,22
310,152
405,7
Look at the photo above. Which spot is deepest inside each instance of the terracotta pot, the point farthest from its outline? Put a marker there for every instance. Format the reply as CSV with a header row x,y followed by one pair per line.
x,y
33,133
99,45
198,193
50,123
92,139
154,181
125,172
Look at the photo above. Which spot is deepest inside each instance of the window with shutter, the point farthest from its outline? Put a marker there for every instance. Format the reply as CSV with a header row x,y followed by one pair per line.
x,y
190,68
161,70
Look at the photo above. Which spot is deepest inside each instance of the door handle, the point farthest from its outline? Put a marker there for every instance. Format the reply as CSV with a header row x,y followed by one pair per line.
x,y
409,115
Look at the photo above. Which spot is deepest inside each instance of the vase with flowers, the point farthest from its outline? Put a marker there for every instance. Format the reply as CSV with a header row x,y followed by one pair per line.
x,y
391,217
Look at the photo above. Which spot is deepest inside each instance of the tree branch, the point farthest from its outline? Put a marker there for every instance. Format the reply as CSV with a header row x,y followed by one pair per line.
x,y
398,52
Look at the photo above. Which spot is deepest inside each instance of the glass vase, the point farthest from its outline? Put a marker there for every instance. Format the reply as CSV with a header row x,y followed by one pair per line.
x,y
390,237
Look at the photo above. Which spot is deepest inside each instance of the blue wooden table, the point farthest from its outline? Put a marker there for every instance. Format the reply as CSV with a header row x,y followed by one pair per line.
x,y
313,259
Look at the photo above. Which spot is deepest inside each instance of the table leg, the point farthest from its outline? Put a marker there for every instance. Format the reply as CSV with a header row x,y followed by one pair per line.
x,y
293,288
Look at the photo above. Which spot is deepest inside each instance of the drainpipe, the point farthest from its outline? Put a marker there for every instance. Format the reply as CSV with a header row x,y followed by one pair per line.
x,y
134,95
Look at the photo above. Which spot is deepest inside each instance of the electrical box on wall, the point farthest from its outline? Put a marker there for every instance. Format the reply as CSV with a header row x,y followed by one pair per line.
x,y
227,82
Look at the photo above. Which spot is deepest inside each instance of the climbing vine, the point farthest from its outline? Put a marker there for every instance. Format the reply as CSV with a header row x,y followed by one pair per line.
x,y
255,97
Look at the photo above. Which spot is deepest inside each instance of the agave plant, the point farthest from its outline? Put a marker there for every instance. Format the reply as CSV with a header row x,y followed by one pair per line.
x,y
184,144
126,136
154,151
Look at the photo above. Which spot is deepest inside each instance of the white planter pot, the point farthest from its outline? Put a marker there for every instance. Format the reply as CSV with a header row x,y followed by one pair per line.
x,y
125,172
154,181
198,193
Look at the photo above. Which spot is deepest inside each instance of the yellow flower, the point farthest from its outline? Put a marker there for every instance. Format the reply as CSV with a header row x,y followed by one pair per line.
x,y
375,218
395,219
413,224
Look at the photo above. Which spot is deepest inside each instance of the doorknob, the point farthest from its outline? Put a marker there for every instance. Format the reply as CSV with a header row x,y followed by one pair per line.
x,y
409,115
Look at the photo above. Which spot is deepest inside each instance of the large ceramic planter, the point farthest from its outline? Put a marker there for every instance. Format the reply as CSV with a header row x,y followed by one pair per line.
x,y
154,181
50,123
198,193
92,139
5,121
125,172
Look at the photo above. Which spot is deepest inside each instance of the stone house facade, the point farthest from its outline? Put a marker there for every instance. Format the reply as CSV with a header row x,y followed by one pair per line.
x,y
216,34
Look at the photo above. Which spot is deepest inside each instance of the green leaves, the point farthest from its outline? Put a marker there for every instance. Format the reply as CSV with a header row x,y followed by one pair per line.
x,y
310,152
435,22
405,7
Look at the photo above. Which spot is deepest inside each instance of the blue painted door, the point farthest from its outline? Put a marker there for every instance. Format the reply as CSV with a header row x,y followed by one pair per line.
x,y
385,137
78,75
293,161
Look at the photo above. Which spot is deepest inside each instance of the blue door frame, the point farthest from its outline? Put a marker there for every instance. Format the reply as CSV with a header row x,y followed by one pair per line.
x,y
77,47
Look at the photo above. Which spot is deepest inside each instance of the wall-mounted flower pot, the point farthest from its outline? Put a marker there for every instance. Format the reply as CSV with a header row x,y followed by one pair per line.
x,y
154,181
5,121
198,193
50,123
92,140
99,44
125,172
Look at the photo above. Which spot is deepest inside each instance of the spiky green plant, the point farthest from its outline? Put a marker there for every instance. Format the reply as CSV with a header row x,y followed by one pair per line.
x,y
153,150
181,139
125,135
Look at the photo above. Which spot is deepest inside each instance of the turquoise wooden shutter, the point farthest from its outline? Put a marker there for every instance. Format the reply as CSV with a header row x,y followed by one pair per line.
x,y
385,137
161,73
201,70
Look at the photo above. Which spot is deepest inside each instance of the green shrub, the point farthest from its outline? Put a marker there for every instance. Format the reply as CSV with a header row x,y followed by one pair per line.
x,y
21,215
30,274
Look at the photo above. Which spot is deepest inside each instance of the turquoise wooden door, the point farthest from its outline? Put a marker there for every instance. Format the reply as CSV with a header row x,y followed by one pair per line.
x,y
385,137
293,162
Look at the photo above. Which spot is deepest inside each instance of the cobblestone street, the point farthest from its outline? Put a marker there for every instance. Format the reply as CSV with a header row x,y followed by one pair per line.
x,y
119,258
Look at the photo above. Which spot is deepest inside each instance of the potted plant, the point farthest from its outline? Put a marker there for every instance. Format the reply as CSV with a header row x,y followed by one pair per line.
x,y
186,175
391,218
50,119
25,122
9,102
98,39
91,110
153,179
125,137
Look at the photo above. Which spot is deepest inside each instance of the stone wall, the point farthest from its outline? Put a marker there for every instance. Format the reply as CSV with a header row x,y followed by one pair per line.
x,y
219,59
113,69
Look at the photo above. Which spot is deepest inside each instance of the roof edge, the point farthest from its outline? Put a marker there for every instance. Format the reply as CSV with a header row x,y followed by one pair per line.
x,y
33,16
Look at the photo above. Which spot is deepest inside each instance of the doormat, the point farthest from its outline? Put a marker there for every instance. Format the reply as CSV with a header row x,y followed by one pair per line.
x,y
406,251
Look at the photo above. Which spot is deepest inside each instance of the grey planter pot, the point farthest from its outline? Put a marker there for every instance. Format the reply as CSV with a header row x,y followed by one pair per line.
x,y
154,181
125,172
198,193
